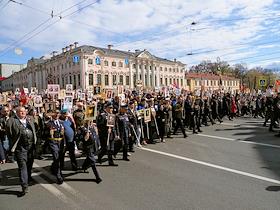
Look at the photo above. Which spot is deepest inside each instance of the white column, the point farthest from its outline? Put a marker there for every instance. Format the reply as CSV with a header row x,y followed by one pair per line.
x,y
158,77
148,75
84,73
143,75
153,76
137,70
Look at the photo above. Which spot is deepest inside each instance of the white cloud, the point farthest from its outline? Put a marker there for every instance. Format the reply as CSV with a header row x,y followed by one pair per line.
x,y
160,26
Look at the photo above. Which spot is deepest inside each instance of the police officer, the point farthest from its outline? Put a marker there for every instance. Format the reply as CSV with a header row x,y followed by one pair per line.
x,y
21,131
56,142
89,137
106,135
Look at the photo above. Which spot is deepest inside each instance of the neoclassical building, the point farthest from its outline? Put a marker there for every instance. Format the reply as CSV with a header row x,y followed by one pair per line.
x,y
87,66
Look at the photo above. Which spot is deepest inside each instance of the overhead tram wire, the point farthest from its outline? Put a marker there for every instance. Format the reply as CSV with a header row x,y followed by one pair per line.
x,y
48,26
6,4
3,52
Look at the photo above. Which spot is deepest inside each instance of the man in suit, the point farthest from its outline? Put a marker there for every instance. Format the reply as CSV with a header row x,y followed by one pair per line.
x,y
21,130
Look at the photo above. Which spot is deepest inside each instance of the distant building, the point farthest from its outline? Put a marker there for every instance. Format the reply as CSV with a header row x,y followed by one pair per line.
x,y
88,66
7,69
211,82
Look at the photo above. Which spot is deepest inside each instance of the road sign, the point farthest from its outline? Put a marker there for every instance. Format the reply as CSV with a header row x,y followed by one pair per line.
x,y
262,82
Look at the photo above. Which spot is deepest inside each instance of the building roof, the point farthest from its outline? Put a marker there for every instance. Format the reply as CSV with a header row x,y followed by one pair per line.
x,y
209,76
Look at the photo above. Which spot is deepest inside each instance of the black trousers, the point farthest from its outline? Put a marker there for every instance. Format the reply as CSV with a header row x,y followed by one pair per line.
x,y
70,146
109,150
57,149
90,162
179,125
25,159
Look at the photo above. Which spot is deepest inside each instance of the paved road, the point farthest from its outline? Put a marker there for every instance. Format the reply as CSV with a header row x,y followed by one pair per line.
x,y
235,165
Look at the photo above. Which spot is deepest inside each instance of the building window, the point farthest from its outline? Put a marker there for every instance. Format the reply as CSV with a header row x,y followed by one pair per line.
x,y
134,66
90,79
57,67
160,68
69,65
74,77
57,81
79,80
166,81
150,67
61,66
120,64
106,63
121,80
90,61
70,79
98,79
161,81
106,80
127,80
181,82
114,63
114,79
63,82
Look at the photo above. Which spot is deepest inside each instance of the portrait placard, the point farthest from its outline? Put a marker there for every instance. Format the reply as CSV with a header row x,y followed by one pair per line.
x,y
111,120
37,101
50,107
68,102
147,115
3,99
90,112
69,88
53,89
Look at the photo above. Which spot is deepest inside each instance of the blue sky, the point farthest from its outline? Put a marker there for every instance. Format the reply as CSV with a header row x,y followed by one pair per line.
x,y
242,31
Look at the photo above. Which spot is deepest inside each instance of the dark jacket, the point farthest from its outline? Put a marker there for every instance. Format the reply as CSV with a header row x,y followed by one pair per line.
x,y
14,129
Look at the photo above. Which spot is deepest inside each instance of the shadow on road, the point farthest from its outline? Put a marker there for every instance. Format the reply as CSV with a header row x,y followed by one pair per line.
x,y
270,156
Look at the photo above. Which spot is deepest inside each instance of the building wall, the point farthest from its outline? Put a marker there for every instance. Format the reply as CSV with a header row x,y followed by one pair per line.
x,y
111,71
7,70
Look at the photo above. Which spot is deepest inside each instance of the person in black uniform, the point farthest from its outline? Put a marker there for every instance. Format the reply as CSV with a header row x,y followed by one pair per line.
x,y
91,144
124,130
178,117
21,131
276,112
56,141
106,135
133,122
268,109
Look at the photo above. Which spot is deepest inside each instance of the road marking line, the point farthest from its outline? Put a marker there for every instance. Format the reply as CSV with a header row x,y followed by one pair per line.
x,y
53,190
242,141
64,185
215,166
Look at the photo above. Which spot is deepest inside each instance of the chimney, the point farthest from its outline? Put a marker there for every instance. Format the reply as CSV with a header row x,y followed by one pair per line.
x,y
76,44
71,46
137,50
54,53
110,46
175,59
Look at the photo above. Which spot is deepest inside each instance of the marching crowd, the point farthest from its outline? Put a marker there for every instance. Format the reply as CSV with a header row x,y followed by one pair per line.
x,y
120,125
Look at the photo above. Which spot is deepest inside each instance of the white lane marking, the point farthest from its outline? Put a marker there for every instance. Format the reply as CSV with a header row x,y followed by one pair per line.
x,y
242,141
215,166
53,190
66,186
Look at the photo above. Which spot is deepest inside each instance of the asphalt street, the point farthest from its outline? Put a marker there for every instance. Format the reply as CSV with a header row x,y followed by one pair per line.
x,y
233,165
